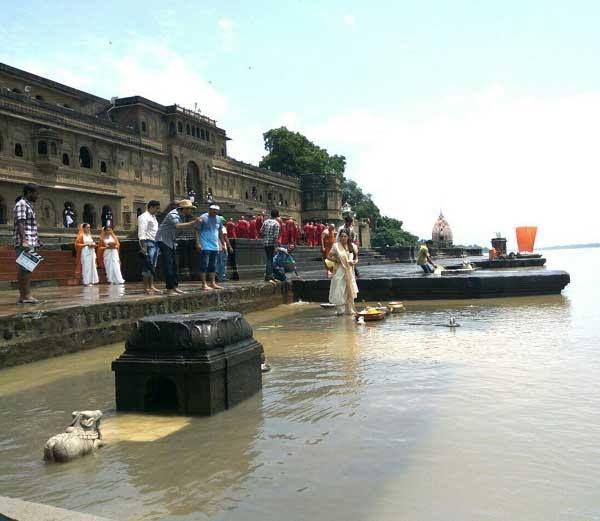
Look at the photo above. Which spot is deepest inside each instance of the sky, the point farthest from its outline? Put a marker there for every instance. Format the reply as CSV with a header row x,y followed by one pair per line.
x,y
487,111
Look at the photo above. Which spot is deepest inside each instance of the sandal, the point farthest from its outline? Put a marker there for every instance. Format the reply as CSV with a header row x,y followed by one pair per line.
x,y
32,300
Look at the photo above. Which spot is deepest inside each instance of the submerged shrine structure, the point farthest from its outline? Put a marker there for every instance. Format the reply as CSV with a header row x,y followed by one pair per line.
x,y
196,364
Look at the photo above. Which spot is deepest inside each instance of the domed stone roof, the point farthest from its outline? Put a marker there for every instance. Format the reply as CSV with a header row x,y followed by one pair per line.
x,y
441,230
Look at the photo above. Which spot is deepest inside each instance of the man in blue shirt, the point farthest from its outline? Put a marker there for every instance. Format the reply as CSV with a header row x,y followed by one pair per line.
x,y
209,238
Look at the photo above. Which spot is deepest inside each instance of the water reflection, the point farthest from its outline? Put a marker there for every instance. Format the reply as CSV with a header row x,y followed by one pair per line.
x,y
404,420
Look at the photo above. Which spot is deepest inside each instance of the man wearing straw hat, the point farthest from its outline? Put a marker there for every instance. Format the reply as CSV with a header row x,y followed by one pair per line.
x,y
166,239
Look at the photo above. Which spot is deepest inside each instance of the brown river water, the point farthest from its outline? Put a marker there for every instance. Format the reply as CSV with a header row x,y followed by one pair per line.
x,y
401,420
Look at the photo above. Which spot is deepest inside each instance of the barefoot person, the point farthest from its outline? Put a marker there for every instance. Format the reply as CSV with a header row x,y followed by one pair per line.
x,y
26,239
147,228
343,289
209,237
108,255
166,239
85,264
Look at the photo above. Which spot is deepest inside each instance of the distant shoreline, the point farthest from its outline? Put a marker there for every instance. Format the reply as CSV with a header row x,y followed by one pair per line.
x,y
573,246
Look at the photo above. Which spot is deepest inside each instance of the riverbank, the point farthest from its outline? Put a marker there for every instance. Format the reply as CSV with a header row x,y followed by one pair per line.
x,y
78,318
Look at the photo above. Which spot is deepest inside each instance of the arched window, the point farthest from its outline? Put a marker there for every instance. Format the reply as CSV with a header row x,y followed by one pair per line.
x,y
53,148
39,98
223,152
143,126
187,129
202,133
16,91
180,127
269,196
260,198
65,159
18,150
103,167
246,195
285,202
89,214
85,158
43,148
193,131
172,130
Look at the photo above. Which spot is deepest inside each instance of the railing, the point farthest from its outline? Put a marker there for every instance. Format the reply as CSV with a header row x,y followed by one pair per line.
x,y
191,113
22,104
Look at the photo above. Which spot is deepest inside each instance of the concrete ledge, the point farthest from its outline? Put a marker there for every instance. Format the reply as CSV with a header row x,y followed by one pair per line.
x,y
39,334
420,287
18,510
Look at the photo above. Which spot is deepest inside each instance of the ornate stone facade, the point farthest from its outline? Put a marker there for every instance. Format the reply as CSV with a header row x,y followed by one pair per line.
x,y
92,152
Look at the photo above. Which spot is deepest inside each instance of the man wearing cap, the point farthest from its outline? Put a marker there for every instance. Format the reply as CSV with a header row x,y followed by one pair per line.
x,y
209,237
166,239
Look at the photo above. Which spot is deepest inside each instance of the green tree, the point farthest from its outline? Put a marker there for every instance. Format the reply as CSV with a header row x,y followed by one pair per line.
x,y
294,154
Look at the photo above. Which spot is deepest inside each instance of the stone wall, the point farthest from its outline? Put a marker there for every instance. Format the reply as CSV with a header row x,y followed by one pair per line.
x,y
36,335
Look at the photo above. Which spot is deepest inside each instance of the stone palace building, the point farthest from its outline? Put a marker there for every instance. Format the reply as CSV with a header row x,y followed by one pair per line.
x,y
92,152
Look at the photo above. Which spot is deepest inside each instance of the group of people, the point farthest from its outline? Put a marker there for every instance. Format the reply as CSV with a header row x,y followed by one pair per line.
x,y
211,233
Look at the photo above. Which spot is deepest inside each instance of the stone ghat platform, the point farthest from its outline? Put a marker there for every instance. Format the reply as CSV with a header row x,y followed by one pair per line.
x,y
77,318
398,282
505,263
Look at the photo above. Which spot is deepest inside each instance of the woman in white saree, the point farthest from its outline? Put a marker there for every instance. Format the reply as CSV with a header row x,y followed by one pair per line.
x,y
343,289
108,254
85,264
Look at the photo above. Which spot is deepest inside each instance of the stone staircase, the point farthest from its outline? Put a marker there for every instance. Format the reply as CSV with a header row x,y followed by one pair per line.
x,y
309,259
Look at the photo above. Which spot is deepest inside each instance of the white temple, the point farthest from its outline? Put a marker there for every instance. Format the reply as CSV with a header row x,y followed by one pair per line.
x,y
442,233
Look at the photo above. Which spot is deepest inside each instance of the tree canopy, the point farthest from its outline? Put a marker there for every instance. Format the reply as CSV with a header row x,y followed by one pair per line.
x,y
294,154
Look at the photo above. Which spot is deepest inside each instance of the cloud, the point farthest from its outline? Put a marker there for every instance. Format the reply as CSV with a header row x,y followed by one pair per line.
x,y
227,34
349,20
490,160
143,67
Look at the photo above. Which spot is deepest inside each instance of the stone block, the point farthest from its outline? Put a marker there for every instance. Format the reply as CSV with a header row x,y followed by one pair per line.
x,y
197,364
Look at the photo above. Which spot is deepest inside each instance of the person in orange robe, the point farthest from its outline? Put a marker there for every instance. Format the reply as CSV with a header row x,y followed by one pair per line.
x,y
290,229
241,229
252,232
280,237
260,219
327,242
231,232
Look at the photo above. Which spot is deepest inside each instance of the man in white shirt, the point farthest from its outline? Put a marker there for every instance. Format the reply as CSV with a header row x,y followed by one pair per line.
x,y
147,228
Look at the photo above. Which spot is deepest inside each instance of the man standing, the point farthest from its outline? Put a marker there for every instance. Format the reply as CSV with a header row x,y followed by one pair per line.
x,y
26,239
166,239
424,259
224,252
209,237
270,233
147,228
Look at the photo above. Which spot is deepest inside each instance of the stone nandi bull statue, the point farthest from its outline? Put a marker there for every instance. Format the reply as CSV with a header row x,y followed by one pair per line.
x,y
80,438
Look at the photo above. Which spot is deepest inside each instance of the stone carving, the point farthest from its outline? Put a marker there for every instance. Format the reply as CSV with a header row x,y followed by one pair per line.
x,y
80,438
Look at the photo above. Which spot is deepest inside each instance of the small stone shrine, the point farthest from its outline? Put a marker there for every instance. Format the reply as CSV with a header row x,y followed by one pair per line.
x,y
197,364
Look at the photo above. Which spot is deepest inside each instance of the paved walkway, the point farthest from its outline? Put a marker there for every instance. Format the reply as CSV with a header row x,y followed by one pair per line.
x,y
70,296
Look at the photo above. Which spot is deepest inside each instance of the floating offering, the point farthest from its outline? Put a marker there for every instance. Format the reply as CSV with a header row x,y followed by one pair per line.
x,y
396,307
371,314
